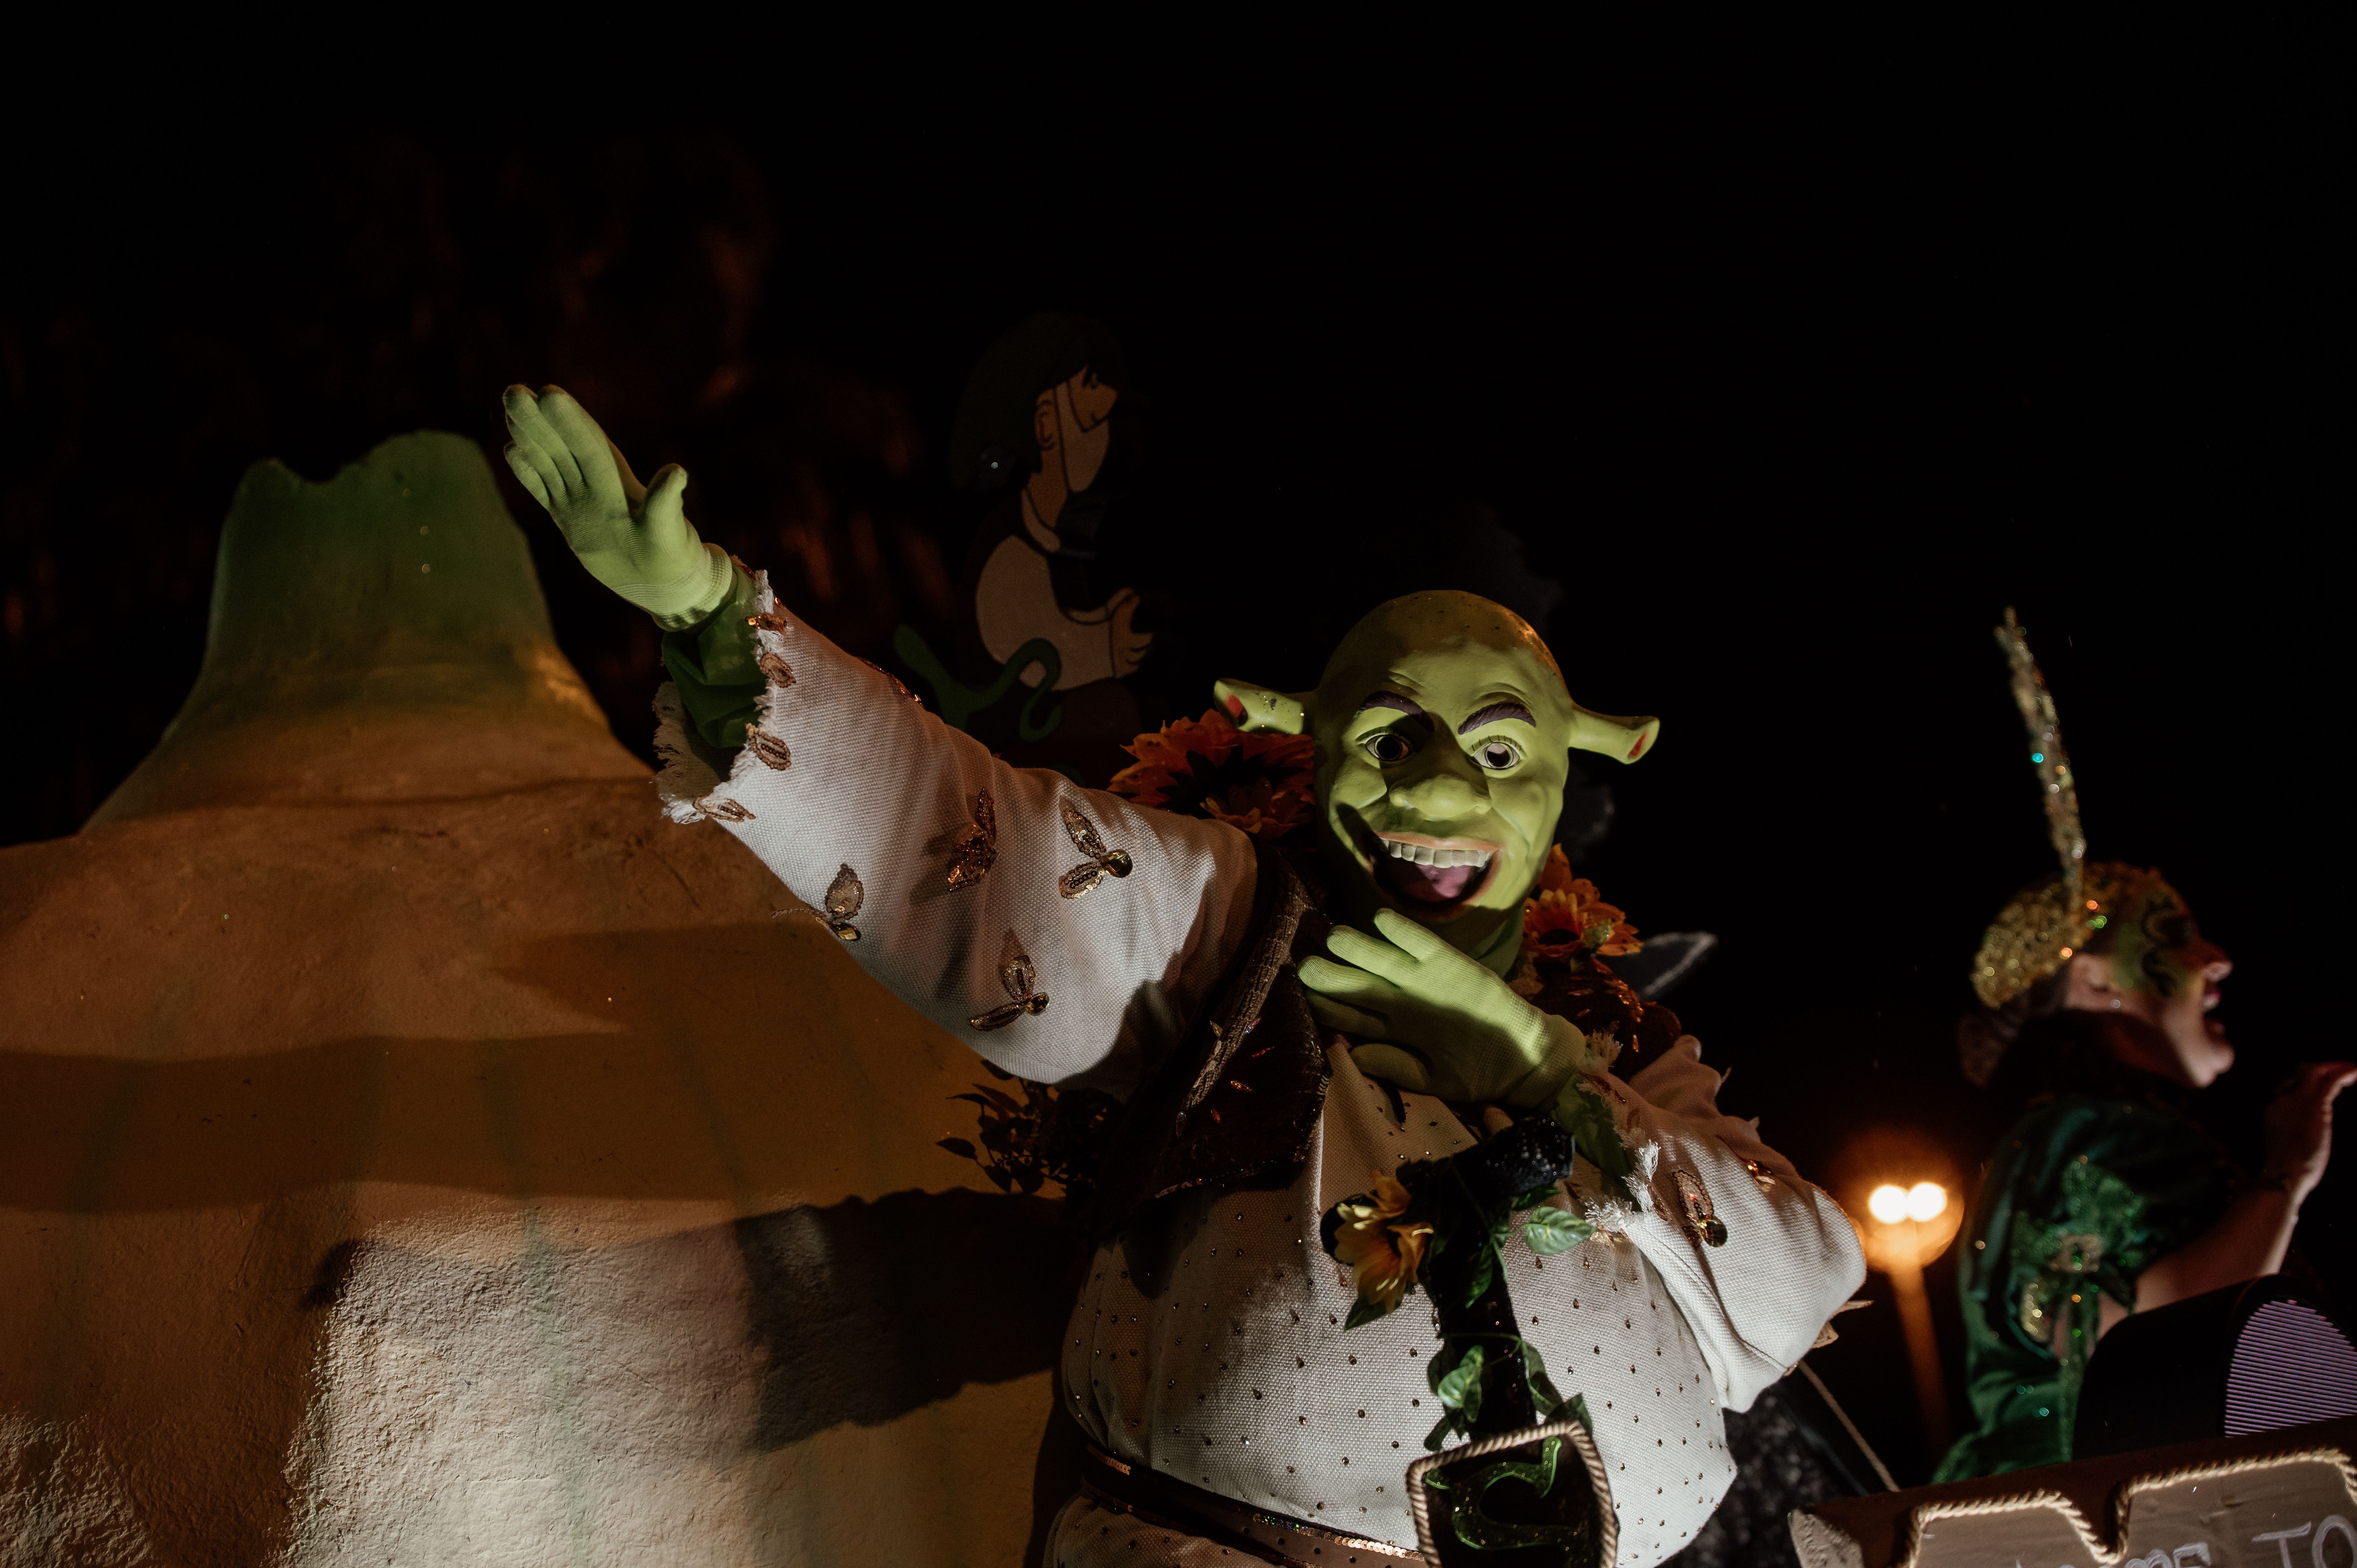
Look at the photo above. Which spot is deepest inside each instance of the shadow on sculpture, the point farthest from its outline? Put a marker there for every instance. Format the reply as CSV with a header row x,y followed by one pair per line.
x,y
414,1148
868,1310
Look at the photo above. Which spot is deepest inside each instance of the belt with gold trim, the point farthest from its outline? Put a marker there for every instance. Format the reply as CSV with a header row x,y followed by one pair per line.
x,y
1172,1504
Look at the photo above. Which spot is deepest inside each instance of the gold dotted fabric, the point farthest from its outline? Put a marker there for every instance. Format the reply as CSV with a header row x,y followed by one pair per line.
x,y
1219,1357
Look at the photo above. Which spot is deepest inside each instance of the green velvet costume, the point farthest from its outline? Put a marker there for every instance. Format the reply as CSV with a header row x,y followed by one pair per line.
x,y
712,663
2101,1176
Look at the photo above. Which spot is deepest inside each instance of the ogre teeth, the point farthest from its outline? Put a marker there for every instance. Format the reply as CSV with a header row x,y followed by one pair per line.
x,y
1435,855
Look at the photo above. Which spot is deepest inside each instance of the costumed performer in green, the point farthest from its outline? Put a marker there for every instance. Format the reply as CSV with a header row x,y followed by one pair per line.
x,y
2099,1000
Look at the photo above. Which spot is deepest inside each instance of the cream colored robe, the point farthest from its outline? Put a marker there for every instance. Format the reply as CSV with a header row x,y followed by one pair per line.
x,y
1236,1375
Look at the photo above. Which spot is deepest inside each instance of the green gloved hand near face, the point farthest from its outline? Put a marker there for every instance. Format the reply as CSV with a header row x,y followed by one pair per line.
x,y
1439,1021
633,538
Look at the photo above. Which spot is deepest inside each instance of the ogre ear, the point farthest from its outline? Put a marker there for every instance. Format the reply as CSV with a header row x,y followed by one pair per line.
x,y
1252,707
1623,740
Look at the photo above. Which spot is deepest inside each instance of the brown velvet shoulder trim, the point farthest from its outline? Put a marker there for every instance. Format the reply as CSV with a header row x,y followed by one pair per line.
x,y
1236,1103
1239,1097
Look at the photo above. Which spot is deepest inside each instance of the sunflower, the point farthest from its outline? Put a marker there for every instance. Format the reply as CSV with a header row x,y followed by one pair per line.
x,y
1565,917
1261,783
1381,1247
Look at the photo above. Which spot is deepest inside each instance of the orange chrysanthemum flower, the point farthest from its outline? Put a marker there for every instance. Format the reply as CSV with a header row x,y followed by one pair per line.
x,y
1262,784
1566,917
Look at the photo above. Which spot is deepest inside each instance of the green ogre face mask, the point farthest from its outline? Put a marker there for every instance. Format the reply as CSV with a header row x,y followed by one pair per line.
x,y
1443,728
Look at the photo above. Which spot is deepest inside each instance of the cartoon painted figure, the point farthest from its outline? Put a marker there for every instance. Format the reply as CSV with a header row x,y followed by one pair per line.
x,y
1015,598
1041,649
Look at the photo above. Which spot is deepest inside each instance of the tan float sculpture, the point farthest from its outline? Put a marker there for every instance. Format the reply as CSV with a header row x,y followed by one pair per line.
x,y
415,1150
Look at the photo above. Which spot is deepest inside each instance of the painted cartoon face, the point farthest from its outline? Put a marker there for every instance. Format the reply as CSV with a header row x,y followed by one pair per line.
x,y
1441,763
1091,399
1084,409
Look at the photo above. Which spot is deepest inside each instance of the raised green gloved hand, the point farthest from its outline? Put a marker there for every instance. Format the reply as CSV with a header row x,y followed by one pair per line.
x,y
633,538
1438,1020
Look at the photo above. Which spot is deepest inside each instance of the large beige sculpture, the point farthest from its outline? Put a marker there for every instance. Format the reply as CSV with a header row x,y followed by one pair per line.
x,y
414,1150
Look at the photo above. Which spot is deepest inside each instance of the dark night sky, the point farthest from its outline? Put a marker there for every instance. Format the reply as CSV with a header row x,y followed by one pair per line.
x,y
1792,390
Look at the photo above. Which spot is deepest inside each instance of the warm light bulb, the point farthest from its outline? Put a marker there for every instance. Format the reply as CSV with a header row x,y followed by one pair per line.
x,y
1889,1204
1926,1201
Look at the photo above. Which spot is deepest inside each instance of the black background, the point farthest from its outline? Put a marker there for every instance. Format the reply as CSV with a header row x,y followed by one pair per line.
x,y
1795,370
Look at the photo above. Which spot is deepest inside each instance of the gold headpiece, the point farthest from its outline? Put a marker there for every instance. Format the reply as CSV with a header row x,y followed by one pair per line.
x,y
2035,933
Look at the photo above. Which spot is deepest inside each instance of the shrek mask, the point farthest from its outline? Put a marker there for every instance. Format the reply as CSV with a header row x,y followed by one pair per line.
x,y
1443,728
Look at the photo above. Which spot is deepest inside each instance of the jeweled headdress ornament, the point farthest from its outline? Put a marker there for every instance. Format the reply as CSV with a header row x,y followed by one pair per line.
x,y
2035,933
2043,925
2054,764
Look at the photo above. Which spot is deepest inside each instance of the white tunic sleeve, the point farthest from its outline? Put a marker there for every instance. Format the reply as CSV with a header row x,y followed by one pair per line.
x,y
1791,1256
845,771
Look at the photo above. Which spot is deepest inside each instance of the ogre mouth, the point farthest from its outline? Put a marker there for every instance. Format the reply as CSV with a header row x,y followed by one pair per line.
x,y
1428,875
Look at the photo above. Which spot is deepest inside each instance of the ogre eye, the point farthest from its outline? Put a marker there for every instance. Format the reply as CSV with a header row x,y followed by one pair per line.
x,y
1497,756
1388,748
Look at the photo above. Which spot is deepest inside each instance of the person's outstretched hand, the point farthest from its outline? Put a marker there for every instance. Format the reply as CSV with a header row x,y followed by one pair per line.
x,y
2298,1126
633,538
1439,1022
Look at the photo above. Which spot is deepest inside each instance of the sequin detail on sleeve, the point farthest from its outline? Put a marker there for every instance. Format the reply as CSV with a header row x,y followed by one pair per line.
x,y
1016,974
845,895
900,687
769,748
1701,1217
1101,863
974,850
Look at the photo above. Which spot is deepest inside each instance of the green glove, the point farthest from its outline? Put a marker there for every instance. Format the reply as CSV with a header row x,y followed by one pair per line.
x,y
634,539
1447,1024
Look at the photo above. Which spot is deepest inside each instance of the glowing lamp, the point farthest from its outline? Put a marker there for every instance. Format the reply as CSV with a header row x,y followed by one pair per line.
x,y
1908,1221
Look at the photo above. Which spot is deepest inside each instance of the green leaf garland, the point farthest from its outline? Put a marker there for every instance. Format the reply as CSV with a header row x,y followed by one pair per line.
x,y
1551,1230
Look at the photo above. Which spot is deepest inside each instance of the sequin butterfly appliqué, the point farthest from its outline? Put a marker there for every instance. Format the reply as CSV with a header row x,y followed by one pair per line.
x,y
1101,861
974,850
844,896
1015,973
1701,1218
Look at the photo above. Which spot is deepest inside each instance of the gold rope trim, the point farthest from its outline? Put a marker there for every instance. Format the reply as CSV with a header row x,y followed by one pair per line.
x,y
1923,1514
1607,1521
2126,1492
2123,1497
